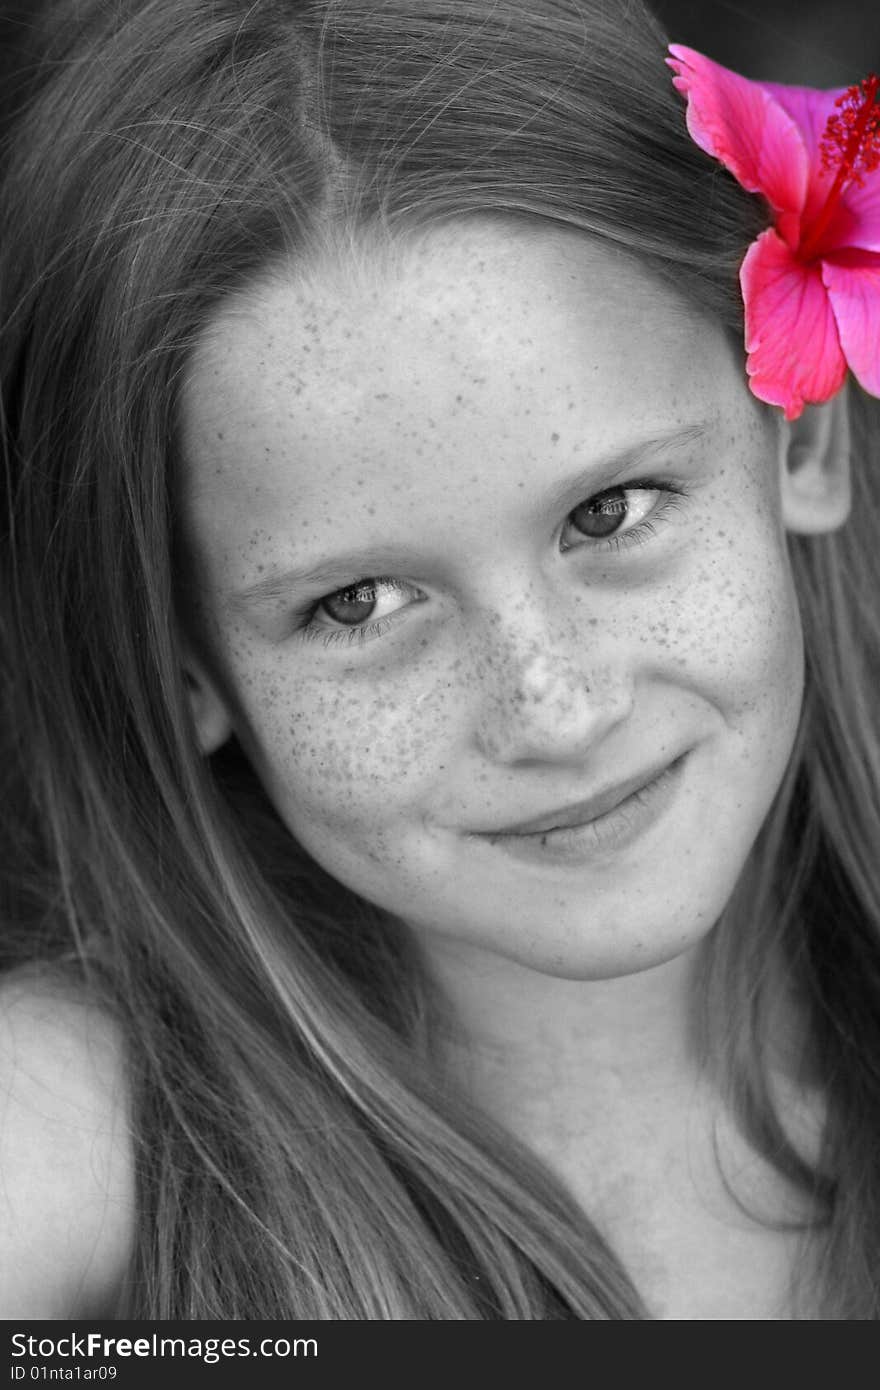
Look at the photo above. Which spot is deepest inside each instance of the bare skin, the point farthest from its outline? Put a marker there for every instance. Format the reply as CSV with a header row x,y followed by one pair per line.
x,y
67,1212
628,1123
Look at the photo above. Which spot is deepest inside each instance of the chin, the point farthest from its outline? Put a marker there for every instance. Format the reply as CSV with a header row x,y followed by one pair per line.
x,y
567,940
626,952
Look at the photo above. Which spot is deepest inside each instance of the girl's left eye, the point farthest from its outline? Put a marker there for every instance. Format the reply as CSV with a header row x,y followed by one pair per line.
x,y
617,515
360,610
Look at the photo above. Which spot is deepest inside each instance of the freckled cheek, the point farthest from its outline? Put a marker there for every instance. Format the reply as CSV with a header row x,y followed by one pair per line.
x,y
747,637
334,748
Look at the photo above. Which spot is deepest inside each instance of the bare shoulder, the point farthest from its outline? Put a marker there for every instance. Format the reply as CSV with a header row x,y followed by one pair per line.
x,y
66,1173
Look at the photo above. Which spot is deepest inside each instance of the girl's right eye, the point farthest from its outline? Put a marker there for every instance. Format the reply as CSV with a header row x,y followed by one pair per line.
x,y
359,610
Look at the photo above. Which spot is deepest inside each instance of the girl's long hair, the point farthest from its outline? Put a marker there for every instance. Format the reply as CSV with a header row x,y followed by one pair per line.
x,y
296,1154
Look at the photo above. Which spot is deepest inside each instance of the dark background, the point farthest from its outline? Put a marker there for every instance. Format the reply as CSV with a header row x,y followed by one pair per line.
x,y
826,44
830,44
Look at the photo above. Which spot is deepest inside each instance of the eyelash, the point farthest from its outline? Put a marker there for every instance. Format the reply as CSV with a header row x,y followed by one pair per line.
x,y
672,499
313,632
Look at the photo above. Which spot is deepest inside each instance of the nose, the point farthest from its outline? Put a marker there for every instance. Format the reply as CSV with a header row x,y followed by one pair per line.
x,y
548,696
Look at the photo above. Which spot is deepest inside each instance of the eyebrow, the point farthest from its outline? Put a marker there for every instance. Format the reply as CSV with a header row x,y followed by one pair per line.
x,y
278,583
634,457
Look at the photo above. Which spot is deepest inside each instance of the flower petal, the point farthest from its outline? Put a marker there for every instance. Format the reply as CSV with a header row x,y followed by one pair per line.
x,y
854,291
809,108
740,123
791,333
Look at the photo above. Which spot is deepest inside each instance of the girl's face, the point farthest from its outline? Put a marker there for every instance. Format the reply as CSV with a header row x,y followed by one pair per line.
x,y
496,588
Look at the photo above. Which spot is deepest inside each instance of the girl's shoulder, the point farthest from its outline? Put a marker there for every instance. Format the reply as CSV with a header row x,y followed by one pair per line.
x,y
66,1171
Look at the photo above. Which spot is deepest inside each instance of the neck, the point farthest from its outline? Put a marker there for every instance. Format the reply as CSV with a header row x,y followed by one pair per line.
x,y
565,1057
600,1080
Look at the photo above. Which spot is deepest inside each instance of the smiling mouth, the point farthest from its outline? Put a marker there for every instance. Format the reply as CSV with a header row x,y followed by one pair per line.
x,y
584,812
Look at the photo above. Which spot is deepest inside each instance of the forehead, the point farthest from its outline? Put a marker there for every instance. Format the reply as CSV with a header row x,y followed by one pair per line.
x,y
473,358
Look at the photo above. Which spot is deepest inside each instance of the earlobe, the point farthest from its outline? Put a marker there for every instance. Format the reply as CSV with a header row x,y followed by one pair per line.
x,y
814,468
210,715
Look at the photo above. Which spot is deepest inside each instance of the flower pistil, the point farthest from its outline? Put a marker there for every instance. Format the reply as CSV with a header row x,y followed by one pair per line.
x,y
851,145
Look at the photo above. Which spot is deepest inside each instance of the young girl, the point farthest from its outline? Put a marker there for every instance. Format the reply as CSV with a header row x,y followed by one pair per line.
x,y
441,780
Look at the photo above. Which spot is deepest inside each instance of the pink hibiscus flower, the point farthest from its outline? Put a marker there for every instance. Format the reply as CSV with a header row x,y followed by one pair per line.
x,y
811,282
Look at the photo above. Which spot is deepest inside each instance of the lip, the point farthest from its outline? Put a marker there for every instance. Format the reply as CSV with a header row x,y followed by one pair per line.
x,y
632,809
583,812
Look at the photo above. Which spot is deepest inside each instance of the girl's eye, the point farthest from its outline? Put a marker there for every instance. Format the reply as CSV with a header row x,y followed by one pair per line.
x,y
616,512
360,609
615,517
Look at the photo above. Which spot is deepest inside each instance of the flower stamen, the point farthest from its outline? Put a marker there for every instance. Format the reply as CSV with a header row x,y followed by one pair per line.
x,y
851,145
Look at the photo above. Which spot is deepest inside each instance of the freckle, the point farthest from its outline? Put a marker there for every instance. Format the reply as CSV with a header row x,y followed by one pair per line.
x,y
554,438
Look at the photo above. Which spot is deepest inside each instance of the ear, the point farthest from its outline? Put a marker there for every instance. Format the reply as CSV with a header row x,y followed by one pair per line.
x,y
209,710
815,468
